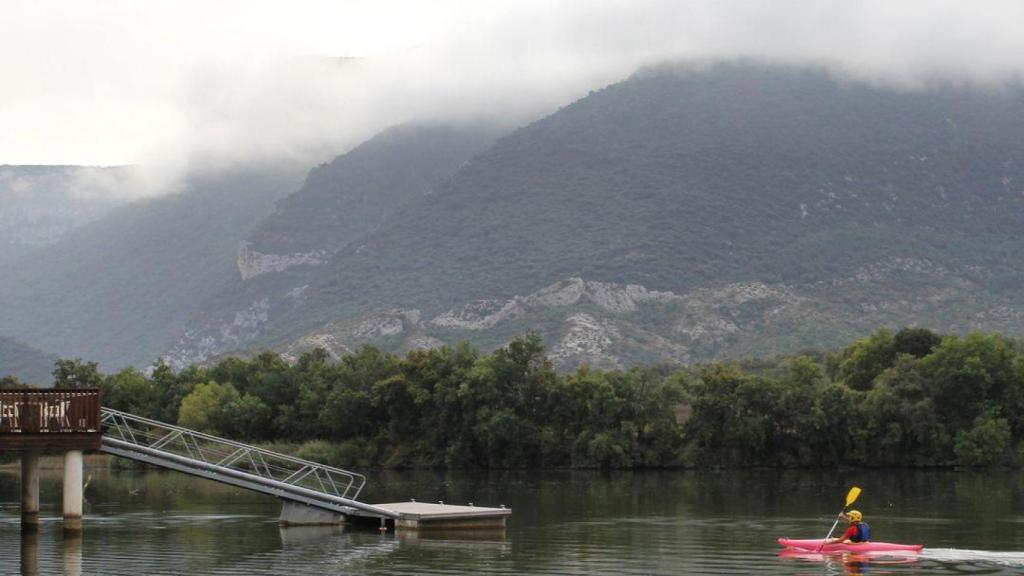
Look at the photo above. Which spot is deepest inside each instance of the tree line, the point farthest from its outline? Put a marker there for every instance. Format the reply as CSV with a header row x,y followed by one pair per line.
x,y
906,398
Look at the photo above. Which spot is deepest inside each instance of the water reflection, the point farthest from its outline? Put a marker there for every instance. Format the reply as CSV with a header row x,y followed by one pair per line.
x,y
30,552
72,554
633,524
852,563
307,535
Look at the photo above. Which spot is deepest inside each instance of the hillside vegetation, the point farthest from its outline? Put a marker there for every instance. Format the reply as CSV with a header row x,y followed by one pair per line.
x,y
676,179
339,203
855,205
353,194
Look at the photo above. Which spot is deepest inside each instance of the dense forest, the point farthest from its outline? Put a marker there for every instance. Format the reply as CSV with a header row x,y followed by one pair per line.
x,y
906,398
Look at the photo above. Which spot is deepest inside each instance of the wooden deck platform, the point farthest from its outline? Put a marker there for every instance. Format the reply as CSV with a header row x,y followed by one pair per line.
x,y
61,420
424,515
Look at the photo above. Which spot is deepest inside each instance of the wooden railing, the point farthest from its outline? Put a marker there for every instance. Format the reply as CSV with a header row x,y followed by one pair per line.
x,y
48,412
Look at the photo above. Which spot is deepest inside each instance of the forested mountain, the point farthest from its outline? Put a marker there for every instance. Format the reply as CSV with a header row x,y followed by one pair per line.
x,y
352,195
339,203
766,209
120,289
25,363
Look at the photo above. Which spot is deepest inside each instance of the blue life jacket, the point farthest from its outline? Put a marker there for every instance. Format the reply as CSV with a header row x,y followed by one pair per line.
x,y
863,532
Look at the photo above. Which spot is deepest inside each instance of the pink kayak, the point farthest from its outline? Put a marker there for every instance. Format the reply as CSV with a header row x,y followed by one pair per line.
x,y
815,546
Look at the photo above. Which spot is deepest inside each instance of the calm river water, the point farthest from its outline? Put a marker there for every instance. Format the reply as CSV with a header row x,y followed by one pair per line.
x,y
149,522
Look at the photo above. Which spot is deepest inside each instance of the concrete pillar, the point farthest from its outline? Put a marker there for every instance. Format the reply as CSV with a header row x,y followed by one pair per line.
x,y
73,490
30,489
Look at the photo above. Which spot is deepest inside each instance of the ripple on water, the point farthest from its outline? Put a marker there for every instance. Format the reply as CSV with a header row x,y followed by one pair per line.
x,y
692,525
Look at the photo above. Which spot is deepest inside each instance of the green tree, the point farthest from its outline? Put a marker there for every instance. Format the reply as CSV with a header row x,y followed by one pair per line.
x,y
248,418
967,376
506,394
207,408
172,388
11,383
345,407
803,372
838,438
924,437
917,342
858,365
986,443
76,374
129,390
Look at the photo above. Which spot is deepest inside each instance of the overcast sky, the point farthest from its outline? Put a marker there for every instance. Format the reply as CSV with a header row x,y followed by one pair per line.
x,y
179,82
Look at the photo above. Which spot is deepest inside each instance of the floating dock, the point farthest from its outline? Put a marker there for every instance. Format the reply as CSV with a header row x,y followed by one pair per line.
x,y
411,515
423,516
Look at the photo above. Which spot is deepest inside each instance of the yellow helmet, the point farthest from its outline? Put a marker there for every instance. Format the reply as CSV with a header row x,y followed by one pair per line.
x,y
855,516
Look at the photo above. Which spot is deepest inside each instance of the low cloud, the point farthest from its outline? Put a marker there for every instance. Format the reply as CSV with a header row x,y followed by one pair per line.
x,y
180,87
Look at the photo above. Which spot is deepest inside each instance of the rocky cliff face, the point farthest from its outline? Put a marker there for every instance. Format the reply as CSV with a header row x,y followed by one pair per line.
x,y
613,325
252,263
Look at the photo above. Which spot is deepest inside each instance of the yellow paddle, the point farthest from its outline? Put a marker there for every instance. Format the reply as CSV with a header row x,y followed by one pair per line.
x,y
851,497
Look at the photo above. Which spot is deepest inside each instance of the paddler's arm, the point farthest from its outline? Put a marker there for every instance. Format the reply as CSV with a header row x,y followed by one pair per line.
x,y
845,538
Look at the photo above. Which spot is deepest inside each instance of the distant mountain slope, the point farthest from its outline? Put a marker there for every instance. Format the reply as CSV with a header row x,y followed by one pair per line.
x,y
39,204
353,194
339,203
686,180
121,289
28,364
614,326
676,179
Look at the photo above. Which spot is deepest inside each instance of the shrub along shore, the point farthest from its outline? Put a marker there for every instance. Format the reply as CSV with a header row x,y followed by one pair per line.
x,y
909,398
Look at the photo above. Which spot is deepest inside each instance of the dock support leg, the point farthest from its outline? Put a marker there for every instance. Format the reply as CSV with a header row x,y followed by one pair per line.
x,y
73,490
30,489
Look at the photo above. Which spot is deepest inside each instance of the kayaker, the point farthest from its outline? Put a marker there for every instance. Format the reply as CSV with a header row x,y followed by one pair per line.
x,y
858,532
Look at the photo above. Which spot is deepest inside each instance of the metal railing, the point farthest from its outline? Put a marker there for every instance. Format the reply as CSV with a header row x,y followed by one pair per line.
x,y
49,411
232,462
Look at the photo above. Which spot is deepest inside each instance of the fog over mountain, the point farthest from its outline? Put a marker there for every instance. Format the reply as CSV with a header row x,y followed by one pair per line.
x,y
776,173
40,204
257,92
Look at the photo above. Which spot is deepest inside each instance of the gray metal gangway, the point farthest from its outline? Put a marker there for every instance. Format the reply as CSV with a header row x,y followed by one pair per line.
x,y
286,477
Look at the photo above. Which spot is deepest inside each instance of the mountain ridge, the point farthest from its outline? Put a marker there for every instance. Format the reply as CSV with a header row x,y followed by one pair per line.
x,y
675,179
